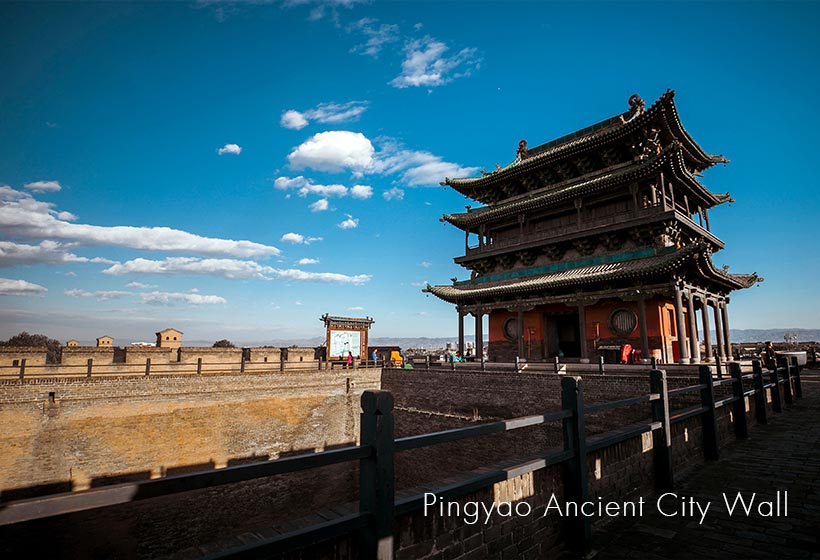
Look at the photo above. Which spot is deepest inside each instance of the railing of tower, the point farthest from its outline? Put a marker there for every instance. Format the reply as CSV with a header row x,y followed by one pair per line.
x,y
378,507
556,231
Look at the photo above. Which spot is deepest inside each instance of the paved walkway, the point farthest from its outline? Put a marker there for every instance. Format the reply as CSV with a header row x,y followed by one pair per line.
x,y
782,456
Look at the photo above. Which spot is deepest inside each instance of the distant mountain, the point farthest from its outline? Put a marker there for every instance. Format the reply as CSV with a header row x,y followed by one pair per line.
x,y
432,343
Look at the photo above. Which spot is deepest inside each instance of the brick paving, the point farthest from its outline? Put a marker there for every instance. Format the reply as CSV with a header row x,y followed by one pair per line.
x,y
782,456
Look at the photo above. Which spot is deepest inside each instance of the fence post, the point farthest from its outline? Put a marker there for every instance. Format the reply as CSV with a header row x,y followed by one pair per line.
x,y
242,365
576,487
760,393
709,421
783,366
798,388
654,363
89,366
147,366
22,368
661,439
557,365
517,364
483,364
376,477
718,366
773,378
427,362
739,406
601,365
199,366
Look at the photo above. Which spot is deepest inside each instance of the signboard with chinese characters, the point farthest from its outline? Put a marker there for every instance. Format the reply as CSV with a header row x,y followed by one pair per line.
x,y
346,334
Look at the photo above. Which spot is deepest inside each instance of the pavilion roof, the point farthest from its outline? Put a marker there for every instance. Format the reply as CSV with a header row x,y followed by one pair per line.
x,y
670,159
590,138
580,276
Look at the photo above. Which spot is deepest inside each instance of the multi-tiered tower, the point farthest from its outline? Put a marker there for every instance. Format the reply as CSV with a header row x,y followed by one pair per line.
x,y
595,240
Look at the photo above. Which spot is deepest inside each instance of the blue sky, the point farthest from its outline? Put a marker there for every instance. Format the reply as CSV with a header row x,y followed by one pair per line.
x,y
236,170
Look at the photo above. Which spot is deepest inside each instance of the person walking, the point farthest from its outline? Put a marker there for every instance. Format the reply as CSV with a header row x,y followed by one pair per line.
x,y
349,359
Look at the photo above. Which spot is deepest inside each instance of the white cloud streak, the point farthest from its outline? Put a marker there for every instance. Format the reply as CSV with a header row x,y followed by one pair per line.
x,y
303,262
170,298
46,252
11,287
44,186
377,36
394,193
326,113
231,269
427,65
22,216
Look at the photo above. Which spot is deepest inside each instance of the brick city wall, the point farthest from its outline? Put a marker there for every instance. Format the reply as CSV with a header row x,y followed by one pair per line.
x,y
77,431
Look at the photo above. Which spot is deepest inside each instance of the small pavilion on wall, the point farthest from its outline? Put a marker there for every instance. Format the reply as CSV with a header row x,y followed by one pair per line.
x,y
594,241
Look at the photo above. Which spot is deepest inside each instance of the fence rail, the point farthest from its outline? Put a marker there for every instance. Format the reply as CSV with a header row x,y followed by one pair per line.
x,y
378,506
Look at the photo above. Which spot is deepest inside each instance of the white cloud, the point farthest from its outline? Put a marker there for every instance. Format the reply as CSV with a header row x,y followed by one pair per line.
x,y
417,168
22,216
100,295
327,113
349,223
334,150
339,150
293,120
9,287
319,206
421,284
426,264
377,36
361,192
394,193
426,64
46,252
306,186
356,308
140,285
305,261
44,186
169,298
234,149
295,238
231,269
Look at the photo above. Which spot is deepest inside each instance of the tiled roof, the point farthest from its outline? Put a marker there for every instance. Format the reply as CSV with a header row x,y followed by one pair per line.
x,y
577,143
580,276
671,156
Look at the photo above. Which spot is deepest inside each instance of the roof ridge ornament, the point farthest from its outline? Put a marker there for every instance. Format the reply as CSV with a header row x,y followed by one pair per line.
x,y
521,152
637,106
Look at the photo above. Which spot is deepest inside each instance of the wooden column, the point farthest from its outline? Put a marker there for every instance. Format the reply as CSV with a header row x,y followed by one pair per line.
x,y
694,347
706,218
582,330
719,332
683,351
461,332
663,193
642,327
727,341
479,336
520,332
707,335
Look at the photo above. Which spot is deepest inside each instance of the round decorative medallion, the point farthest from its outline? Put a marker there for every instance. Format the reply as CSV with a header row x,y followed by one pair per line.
x,y
511,329
622,322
